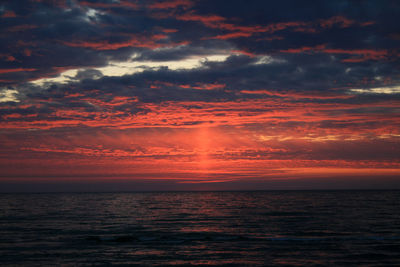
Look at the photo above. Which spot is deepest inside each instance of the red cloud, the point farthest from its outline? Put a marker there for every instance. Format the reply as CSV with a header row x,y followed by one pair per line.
x,y
171,4
169,30
305,49
135,41
298,95
182,114
231,35
244,52
106,45
218,22
205,19
341,21
2,71
364,54
122,3
9,14
211,86
7,57
23,27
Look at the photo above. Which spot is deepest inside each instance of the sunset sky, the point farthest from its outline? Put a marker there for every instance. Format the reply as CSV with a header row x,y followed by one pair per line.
x,y
199,95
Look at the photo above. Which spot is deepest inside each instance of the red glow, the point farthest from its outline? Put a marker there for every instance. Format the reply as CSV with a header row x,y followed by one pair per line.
x,y
2,71
8,14
236,140
364,54
171,4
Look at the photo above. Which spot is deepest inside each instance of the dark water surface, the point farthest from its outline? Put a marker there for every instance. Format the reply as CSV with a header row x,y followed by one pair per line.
x,y
308,228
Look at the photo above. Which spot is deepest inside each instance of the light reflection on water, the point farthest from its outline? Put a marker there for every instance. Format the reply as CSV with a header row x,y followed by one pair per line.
x,y
201,228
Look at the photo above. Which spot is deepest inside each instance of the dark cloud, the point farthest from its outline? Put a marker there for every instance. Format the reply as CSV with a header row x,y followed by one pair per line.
x,y
52,36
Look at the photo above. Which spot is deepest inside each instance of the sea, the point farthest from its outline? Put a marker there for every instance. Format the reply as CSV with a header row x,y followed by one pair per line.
x,y
259,228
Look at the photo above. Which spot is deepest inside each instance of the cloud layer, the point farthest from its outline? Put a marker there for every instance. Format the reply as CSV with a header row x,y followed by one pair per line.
x,y
198,91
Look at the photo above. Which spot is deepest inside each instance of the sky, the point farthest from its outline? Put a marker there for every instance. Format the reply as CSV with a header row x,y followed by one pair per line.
x,y
149,95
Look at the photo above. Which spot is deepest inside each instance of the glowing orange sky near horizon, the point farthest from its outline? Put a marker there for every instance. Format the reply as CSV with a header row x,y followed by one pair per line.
x,y
201,142
198,154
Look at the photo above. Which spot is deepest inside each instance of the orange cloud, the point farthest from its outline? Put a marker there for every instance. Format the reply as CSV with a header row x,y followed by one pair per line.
x,y
194,114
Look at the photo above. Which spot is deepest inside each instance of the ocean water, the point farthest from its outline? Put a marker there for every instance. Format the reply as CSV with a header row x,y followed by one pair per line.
x,y
277,228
